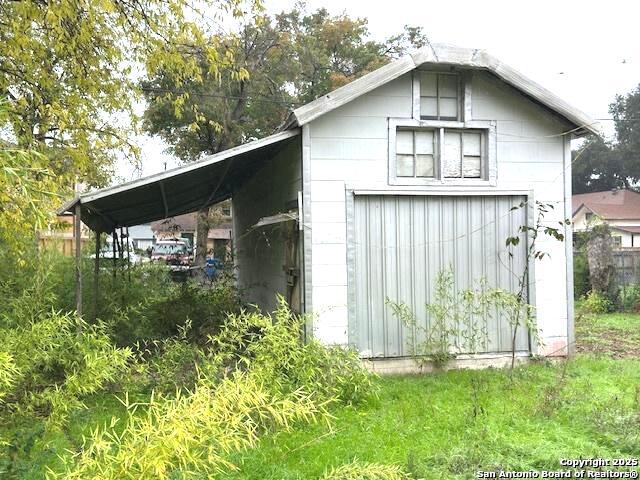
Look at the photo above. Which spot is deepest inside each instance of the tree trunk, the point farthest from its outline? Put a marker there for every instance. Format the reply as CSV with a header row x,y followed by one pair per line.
x,y
600,259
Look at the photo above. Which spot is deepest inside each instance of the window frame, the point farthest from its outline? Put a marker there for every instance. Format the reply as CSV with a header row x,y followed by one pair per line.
x,y
459,94
617,241
488,161
435,153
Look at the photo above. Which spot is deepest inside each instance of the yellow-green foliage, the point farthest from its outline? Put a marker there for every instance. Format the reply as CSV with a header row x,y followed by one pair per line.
x,y
8,373
275,346
192,433
259,377
365,471
27,188
52,362
596,303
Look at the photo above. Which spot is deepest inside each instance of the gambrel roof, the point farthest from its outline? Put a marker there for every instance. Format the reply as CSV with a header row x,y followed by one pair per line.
x,y
439,54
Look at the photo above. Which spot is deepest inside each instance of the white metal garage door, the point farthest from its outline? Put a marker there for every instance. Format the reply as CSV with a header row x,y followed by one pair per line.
x,y
397,246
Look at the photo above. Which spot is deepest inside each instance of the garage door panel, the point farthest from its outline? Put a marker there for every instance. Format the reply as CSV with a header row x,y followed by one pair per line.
x,y
401,243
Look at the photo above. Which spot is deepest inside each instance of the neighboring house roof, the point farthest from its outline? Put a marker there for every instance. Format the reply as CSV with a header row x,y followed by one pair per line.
x,y
449,55
626,229
610,205
187,223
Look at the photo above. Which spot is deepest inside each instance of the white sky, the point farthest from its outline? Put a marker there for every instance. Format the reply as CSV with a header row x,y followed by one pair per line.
x,y
574,48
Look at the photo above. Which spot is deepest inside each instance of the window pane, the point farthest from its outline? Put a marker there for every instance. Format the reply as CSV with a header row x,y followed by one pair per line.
x,y
449,108
428,85
451,154
404,142
404,165
428,107
448,86
471,167
424,141
471,143
424,165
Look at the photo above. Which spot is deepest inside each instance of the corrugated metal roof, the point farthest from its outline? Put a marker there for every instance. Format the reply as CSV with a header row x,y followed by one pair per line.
x,y
193,186
440,54
181,190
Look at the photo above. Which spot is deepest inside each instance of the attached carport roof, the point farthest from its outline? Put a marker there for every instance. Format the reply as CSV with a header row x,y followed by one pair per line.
x,y
180,190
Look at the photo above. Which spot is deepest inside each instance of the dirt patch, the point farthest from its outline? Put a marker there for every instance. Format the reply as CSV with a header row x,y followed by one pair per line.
x,y
593,338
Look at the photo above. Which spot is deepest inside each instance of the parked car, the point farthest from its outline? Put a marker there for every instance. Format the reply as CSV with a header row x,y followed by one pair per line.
x,y
175,253
106,253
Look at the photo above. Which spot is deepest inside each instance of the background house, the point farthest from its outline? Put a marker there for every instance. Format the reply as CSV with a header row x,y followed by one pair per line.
x,y
370,191
184,226
142,236
620,209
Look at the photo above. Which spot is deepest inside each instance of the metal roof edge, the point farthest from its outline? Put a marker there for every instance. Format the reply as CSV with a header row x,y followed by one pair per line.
x,y
538,92
210,160
67,206
449,55
353,90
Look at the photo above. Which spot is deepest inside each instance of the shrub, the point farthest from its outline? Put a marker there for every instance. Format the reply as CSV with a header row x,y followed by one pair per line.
x,y
457,319
53,362
630,298
191,434
139,304
259,376
596,303
172,363
274,346
581,285
8,374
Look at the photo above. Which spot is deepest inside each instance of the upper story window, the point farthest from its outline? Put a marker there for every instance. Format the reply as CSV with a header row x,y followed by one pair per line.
x,y
428,152
439,96
415,153
441,144
463,154
440,153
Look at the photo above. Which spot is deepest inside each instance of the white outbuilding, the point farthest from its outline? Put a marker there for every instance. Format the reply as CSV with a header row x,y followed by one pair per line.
x,y
370,191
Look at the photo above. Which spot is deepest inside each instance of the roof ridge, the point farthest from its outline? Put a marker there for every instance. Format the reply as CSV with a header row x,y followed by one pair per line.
x,y
449,55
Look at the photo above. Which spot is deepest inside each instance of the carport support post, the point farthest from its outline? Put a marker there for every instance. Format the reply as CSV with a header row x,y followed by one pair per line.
x,y
96,270
76,234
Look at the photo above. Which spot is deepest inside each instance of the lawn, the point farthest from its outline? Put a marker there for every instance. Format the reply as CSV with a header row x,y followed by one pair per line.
x,y
452,424
444,425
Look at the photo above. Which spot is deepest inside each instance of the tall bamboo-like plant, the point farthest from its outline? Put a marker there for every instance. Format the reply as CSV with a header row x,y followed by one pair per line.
x,y
517,305
457,321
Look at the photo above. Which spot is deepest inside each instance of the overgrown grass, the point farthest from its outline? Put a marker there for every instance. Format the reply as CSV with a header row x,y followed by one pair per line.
x,y
446,425
449,425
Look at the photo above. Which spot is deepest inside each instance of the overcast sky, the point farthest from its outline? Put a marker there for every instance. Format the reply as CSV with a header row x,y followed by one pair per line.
x,y
584,51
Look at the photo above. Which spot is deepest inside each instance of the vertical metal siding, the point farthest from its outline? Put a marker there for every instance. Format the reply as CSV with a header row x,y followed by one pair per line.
x,y
400,243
